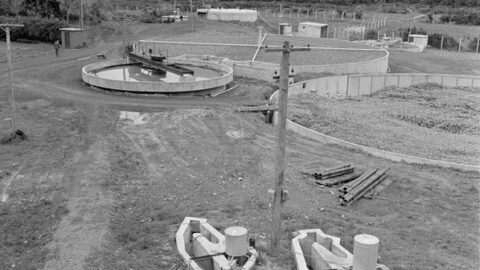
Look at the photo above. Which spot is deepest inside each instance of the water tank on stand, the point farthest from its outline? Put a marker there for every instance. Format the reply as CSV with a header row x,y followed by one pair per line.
x,y
236,241
365,252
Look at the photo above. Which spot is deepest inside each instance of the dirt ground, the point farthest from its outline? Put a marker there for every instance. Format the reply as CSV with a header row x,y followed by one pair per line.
x,y
103,180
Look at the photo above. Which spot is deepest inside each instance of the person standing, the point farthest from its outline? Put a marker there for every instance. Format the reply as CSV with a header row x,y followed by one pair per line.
x,y
57,46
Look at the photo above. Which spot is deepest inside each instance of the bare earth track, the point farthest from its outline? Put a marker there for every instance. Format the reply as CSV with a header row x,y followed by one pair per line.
x,y
105,192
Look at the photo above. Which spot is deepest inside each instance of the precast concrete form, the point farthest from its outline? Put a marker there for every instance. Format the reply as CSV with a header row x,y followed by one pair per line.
x,y
242,15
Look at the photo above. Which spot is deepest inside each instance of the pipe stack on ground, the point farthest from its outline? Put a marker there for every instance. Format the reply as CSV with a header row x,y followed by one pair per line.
x,y
333,172
334,176
338,180
363,184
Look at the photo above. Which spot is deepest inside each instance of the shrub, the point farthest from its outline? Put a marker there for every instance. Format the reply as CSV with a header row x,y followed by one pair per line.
x,y
150,19
449,43
444,18
472,46
35,28
371,34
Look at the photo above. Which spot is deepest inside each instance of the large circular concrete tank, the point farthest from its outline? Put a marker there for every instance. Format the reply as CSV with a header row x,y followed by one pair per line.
x,y
236,242
365,252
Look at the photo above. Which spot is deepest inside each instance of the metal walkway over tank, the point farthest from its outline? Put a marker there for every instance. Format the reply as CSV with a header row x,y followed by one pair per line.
x,y
156,64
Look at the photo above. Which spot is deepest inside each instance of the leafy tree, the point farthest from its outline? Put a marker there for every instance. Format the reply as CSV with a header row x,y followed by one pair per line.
x,y
42,8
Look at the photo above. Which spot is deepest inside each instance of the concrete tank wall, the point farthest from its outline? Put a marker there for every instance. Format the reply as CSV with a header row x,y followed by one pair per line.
x,y
264,71
158,87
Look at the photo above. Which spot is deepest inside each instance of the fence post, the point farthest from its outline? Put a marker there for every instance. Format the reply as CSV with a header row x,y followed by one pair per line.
x,y
371,84
441,44
478,42
358,87
348,83
460,45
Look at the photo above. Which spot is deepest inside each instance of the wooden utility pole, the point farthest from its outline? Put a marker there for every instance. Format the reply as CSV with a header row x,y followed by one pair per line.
x,y
13,120
278,197
81,14
124,34
478,43
191,16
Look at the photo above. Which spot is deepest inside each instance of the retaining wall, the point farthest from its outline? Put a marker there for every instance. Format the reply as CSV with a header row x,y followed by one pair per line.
x,y
214,84
367,83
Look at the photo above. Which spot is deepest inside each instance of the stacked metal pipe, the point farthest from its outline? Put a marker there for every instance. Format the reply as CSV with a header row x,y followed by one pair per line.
x,y
333,172
357,188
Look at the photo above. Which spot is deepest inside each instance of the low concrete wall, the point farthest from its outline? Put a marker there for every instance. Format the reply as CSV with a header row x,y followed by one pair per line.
x,y
377,82
266,71
256,70
379,65
366,84
158,87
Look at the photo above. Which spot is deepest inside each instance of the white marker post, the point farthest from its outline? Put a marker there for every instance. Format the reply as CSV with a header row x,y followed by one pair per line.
x,y
13,121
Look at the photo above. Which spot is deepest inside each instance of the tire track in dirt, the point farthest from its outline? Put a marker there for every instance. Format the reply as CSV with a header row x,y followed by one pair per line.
x,y
8,182
83,229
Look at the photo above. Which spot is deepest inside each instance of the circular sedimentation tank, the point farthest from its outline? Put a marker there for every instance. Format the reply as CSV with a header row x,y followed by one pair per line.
x,y
128,75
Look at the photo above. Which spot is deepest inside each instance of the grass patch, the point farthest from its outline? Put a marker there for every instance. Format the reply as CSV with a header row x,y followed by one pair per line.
x,y
425,120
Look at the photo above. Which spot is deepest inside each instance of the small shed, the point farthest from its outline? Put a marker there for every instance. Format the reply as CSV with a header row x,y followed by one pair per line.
x,y
284,28
420,41
73,38
312,29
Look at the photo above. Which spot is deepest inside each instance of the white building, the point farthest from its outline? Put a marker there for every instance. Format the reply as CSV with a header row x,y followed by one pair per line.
x,y
312,29
420,41
284,28
243,15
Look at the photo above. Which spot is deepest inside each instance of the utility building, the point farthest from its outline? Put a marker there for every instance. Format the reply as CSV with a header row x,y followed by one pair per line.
x,y
312,29
420,41
73,38
284,29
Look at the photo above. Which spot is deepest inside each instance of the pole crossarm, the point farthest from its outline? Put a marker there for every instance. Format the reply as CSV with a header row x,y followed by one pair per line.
x,y
11,25
4,26
291,49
